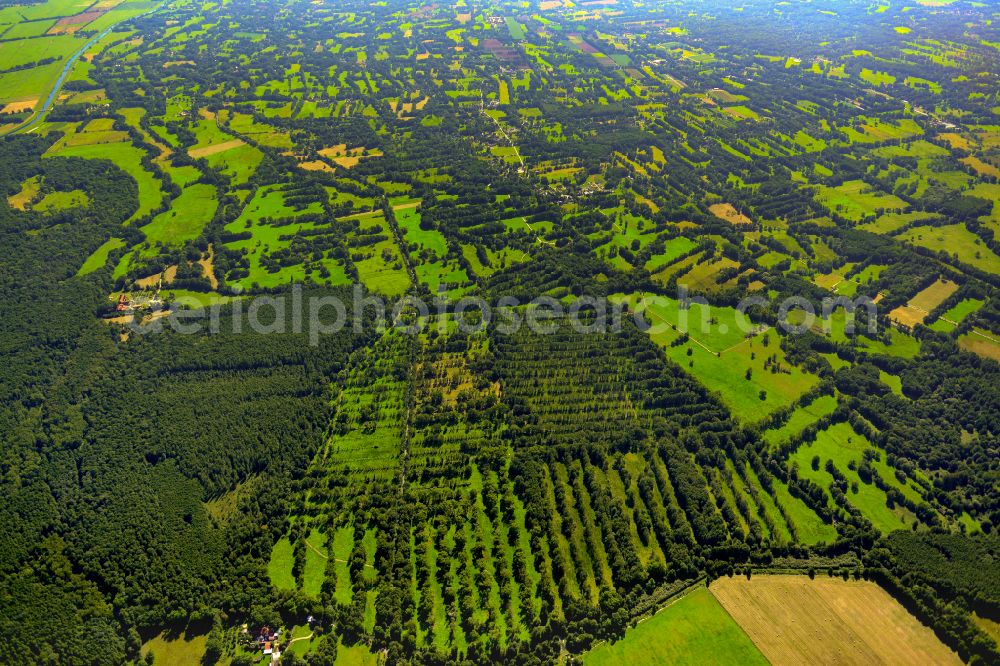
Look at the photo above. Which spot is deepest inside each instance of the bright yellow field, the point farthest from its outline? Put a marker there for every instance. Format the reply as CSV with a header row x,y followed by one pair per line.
x,y
795,620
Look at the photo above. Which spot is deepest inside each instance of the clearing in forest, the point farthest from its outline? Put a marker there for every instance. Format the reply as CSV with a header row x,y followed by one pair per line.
x,y
726,211
917,309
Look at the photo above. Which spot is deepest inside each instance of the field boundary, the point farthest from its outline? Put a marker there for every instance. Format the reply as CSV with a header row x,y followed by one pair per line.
x,y
670,600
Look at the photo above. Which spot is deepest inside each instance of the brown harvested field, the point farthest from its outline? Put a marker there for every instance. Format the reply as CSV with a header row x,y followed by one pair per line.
x,y
154,279
346,161
70,24
725,211
933,296
546,5
27,195
922,303
955,140
342,156
208,268
216,149
315,165
982,343
723,96
17,107
334,151
904,315
795,620
981,167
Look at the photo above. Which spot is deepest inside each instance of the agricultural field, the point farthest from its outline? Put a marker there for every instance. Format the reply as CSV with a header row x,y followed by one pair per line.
x,y
794,620
957,242
695,629
855,200
628,306
920,306
732,355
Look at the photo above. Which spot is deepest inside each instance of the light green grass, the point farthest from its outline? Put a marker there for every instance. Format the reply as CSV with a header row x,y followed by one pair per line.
x,y
695,630
842,444
894,382
181,651
876,78
343,543
956,314
723,366
128,158
890,222
673,248
62,201
355,655
187,216
899,343
99,257
279,567
801,419
269,202
431,240
856,200
809,526
958,242
314,572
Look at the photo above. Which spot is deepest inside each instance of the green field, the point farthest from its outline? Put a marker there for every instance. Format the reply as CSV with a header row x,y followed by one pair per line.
x,y
956,241
856,200
463,496
279,567
842,445
672,249
887,223
723,349
272,225
176,651
800,419
100,256
128,159
956,315
188,215
695,629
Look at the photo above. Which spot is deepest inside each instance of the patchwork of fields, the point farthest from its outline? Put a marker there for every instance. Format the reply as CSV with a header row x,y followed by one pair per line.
x,y
790,214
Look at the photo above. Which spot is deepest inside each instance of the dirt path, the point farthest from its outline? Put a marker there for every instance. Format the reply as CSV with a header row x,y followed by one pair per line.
x,y
744,340
215,149
693,339
482,109
321,553
982,335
